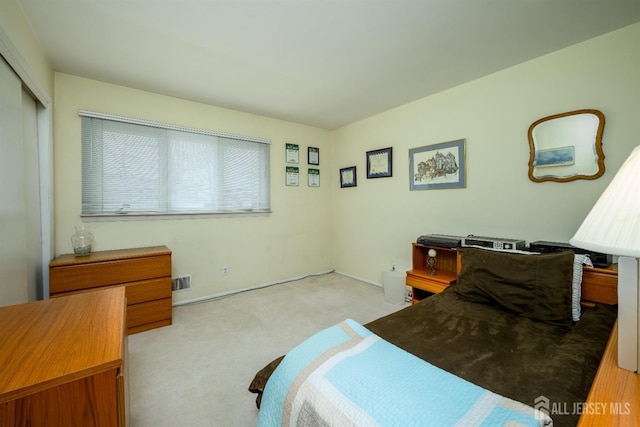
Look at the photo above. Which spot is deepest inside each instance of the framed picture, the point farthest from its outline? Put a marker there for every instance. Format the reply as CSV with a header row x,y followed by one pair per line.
x,y
348,177
292,152
313,155
379,163
314,177
292,175
438,166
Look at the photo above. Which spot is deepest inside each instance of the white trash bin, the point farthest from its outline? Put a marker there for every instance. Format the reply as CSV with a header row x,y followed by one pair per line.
x,y
395,287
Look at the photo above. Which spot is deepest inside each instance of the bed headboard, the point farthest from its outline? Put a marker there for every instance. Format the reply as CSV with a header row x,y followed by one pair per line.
x,y
600,284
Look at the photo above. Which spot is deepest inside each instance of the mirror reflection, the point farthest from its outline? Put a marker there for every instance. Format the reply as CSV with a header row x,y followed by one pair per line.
x,y
568,146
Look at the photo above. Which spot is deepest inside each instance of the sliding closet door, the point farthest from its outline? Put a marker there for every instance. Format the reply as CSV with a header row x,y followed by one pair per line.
x,y
14,286
32,196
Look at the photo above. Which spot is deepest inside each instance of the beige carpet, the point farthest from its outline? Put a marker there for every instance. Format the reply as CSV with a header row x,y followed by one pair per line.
x,y
196,372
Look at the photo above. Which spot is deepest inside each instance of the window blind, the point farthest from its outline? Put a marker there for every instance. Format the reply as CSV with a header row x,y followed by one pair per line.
x,y
133,167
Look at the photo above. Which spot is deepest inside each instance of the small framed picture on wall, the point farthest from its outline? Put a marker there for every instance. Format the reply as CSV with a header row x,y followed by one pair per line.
x,y
348,177
379,163
313,155
292,152
292,175
314,177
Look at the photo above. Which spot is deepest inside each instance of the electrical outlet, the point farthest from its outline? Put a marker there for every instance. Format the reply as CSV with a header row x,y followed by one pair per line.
x,y
225,270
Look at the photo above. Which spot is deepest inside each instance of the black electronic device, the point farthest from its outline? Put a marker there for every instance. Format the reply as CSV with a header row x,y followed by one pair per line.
x,y
598,259
440,240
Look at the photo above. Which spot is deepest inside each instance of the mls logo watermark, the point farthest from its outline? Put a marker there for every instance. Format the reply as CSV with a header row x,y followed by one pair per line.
x,y
547,408
541,404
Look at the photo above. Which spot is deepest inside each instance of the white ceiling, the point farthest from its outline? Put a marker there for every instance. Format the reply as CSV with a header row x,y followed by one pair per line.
x,y
325,63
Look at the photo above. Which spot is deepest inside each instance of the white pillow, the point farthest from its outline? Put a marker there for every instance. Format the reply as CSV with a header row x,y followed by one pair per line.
x,y
576,283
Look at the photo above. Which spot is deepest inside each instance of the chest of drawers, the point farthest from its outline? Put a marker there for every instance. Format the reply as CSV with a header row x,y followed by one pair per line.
x,y
64,361
145,273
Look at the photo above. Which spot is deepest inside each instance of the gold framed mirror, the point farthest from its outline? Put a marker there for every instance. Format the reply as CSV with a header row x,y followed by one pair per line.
x,y
567,146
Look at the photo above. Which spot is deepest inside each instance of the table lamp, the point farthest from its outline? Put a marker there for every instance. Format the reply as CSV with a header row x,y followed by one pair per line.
x,y
613,227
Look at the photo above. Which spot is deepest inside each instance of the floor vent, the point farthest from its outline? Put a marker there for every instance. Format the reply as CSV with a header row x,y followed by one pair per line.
x,y
182,283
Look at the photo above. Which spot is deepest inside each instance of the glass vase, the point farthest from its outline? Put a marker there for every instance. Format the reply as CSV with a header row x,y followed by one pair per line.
x,y
82,240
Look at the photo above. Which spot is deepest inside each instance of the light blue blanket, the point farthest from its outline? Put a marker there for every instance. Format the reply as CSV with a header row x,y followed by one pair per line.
x,y
348,376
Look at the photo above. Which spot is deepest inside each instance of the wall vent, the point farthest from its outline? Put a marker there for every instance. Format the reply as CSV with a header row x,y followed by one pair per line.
x,y
182,283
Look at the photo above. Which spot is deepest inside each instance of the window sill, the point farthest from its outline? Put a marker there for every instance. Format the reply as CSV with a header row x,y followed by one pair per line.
x,y
169,216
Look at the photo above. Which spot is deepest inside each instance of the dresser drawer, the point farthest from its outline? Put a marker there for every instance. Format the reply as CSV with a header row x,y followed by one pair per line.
x,y
152,313
136,292
602,285
148,290
82,276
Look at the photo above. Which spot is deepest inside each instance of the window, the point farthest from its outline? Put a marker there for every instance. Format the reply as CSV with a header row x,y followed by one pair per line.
x,y
135,167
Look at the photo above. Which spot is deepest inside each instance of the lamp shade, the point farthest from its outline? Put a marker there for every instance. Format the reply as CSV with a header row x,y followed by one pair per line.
x,y
613,225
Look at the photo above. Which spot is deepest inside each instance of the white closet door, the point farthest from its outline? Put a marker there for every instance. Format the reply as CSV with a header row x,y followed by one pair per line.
x,y
13,222
32,196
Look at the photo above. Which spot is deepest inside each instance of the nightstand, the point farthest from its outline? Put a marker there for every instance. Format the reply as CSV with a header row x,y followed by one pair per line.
x,y
446,271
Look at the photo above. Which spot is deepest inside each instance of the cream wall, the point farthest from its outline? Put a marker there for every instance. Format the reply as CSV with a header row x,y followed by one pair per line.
x,y
362,231
14,24
292,241
375,222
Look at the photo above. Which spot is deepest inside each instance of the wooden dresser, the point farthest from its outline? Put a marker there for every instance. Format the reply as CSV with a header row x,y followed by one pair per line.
x,y
144,272
63,361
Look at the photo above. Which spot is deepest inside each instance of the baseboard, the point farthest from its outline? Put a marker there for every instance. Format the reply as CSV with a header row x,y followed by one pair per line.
x,y
239,291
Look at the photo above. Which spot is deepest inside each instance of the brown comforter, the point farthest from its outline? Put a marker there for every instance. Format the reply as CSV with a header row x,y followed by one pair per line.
x,y
510,355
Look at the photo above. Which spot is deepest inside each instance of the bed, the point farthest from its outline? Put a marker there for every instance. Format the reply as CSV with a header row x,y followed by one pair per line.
x,y
512,327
